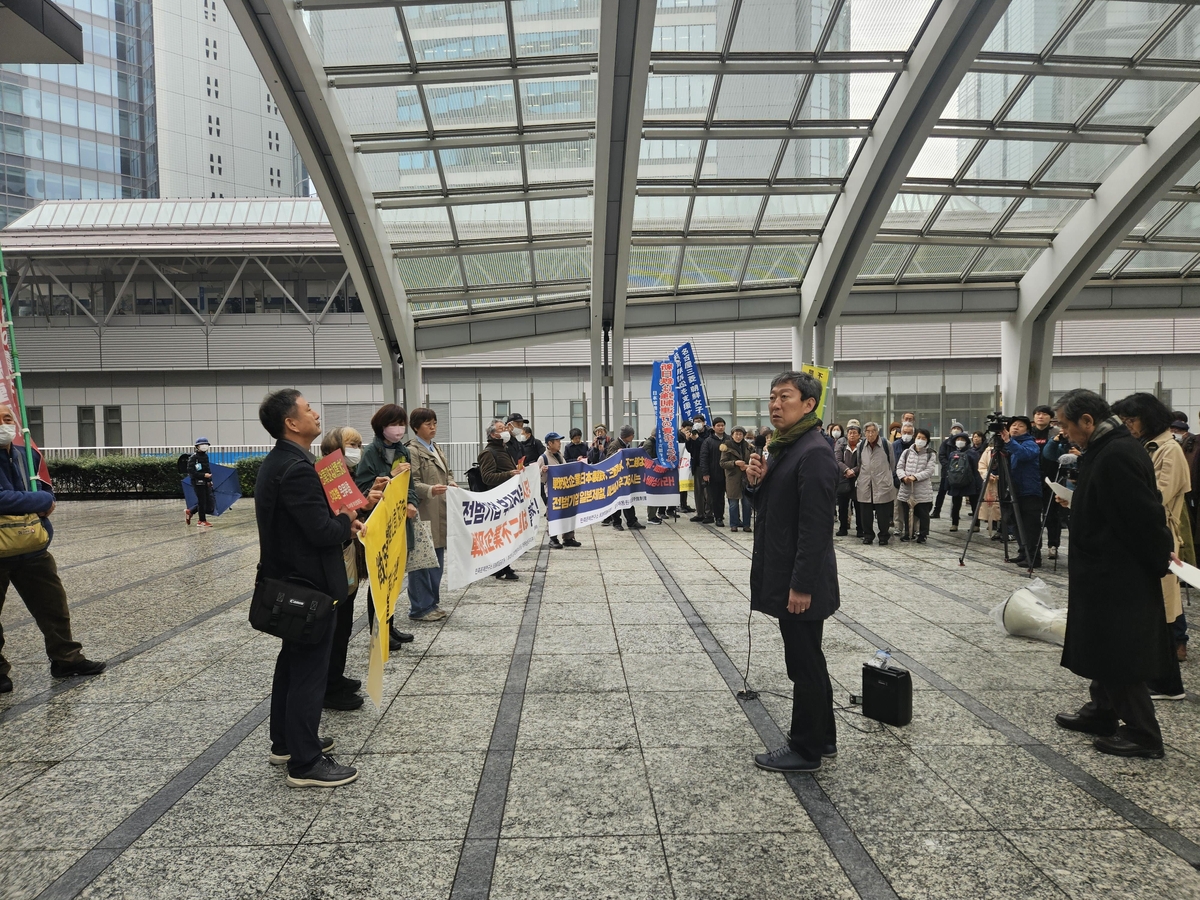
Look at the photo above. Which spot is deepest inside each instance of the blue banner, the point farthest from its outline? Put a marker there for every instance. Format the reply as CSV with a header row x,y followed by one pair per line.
x,y
579,494
689,386
662,395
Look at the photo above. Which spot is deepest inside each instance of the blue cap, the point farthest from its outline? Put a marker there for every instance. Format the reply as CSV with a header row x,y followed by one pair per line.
x,y
202,440
553,436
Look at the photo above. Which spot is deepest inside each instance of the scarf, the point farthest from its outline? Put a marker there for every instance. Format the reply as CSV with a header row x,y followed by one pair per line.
x,y
1104,428
787,436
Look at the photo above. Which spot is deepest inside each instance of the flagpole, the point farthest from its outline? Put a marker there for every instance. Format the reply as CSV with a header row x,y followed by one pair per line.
x,y
16,364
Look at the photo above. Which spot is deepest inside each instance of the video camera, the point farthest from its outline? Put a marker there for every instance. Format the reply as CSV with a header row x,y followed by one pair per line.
x,y
997,422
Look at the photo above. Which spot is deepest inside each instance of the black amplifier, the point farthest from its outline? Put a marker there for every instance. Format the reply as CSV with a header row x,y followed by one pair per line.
x,y
887,694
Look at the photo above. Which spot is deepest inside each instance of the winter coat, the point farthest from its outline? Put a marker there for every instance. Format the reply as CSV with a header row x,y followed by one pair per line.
x,y
735,478
17,497
573,451
972,489
374,463
918,464
846,458
429,469
1025,460
693,444
710,458
199,471
599,454
527,451
1120,547
496,466
989,503
793,530
1173,479
875,483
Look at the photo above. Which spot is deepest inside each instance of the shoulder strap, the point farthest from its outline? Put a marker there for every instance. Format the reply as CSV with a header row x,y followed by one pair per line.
x,y
277,482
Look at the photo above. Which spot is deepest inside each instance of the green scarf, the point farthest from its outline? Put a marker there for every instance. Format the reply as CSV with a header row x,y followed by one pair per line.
x,y
785,437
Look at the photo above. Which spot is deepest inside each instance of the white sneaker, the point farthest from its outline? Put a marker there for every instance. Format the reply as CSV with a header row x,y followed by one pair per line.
x,y
1168,696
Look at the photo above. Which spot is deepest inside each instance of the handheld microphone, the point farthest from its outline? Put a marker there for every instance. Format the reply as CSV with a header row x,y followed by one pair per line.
x,y
760,442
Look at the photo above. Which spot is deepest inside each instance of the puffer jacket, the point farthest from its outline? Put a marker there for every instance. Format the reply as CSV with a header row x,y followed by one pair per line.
x,y
1025,458
875,482
916,464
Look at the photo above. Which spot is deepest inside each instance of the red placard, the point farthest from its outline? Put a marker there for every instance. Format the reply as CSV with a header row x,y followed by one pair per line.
x,y
340,489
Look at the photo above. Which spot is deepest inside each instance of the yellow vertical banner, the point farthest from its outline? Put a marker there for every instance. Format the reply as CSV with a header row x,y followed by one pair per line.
x,y
822,375
386,543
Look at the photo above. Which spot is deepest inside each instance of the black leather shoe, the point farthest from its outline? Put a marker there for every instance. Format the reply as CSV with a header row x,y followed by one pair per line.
x,y
785,759
617,526
351,684
1087,724
397,638
636,526
343,700
653,520
868,540
81,666
1119,746
325,772
696,519
572,543
829,751
841,532
6,684
687,509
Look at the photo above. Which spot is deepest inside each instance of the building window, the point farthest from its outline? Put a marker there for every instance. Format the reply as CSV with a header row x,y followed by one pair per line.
x,y
208,82
218,126
216,87
579,415
112,427
87,425
37,424
501,409
212,168
206,50
219,170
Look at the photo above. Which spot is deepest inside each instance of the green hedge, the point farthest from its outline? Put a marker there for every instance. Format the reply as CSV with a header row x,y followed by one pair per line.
x,y
147,477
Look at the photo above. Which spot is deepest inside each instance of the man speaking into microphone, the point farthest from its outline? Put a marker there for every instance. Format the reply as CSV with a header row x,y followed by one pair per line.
x,y
793,575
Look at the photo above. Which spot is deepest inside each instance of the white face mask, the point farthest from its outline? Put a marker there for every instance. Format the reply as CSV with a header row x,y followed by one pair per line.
x,y
697,426
203,448
920,443
836,433
8,434
1180,437
907,438
522,438
961,445
393,433
353,455
504,437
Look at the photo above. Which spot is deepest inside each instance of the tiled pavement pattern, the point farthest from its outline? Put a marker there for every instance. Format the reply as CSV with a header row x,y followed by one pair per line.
x,y
570,735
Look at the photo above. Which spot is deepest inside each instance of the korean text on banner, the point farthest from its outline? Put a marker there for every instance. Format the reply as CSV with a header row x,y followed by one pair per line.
x,y
689,385
662,395
386,543
581,494
489,530
822,375
340,489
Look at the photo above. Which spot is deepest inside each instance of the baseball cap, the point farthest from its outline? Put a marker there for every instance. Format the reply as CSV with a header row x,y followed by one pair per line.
x,y
552,436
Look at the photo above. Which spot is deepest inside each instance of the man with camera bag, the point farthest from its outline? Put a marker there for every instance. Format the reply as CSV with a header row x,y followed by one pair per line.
x,y
300,541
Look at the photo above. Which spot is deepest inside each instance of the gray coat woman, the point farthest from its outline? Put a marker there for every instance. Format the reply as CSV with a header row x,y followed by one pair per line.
x,y
917,464
875,483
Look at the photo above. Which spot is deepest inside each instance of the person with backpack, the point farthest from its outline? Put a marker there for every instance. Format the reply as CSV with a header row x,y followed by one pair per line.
x,y
200,475
875,485
915,471
962,477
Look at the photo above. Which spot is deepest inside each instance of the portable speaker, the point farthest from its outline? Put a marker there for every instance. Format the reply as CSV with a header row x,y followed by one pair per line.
x,y
887,694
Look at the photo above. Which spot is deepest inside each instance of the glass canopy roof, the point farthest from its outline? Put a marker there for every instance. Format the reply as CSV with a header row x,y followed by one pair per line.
x,y
475,124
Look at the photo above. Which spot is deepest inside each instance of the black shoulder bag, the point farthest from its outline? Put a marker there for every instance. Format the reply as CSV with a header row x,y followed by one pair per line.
x,y
286,609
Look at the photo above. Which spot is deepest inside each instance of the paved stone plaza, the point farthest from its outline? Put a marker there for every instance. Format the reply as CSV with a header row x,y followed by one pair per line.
x,y
575,734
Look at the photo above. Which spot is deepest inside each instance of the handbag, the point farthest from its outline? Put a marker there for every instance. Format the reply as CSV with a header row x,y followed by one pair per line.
x,y
421,555
22,534
350,560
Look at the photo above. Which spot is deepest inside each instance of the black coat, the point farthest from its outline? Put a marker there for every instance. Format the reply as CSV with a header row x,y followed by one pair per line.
x,y
710,458
573,451
302,539
1120,547
693,445
793,530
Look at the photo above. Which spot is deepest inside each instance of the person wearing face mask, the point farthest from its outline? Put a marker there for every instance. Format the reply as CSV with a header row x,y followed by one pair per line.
x,y
875,485
384,458
698,435
496,466
624,442
35,574
712,476
1044,435
915,471
943,456
431,478
200,475
902,441
962,477
599,447
1025,462
516,446
845,452
532,446
342,692
735,459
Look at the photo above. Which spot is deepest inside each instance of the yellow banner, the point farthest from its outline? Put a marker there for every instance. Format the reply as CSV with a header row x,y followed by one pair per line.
x,y
386,543
822,375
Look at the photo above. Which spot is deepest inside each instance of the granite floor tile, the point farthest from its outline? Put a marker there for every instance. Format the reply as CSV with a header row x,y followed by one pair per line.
x,y
586,672
26,873
493,640
688,671
168,729
565,793
456,675
716,790
433,723
576,721
199,873
648,612
614,868
694,719
55,730
13,775
938,720
594,612
487,614
573,639
410,869
953,865
657,639
754,866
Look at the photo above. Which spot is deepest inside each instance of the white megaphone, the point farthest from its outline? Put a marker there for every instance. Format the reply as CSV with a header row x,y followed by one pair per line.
x,y
1026,614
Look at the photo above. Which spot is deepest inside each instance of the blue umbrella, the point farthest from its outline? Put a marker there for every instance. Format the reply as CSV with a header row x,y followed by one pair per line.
x,y
226,490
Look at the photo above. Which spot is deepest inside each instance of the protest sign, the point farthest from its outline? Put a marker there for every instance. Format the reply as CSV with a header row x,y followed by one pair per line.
x,y
689,386
581,494
822,375
386,543
340,489
685,470
489,530
662,395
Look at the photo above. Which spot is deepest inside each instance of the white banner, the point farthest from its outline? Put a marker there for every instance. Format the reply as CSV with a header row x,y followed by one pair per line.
x,y
487,531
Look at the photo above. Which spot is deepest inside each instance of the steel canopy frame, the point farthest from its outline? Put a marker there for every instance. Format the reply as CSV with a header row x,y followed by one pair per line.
x,y
1098,227
942,56
279,42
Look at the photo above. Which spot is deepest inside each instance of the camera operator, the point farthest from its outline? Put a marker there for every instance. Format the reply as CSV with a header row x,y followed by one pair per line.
x,y
1044,435
1024,457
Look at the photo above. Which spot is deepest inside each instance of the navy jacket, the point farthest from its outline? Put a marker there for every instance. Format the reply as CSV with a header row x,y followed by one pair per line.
x,y
303,539
198,467
16,499
1025,459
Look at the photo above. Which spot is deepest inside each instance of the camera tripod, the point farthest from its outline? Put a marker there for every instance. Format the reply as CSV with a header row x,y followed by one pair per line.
x,y
1007,500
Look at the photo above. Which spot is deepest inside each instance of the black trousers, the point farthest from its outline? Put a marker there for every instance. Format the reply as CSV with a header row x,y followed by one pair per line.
x,y
204,499
844,502
920,516
941,494
956,506
297,695
341,645
1053,518
36,580
1030,511
871,513
716,499
701,492
1131,704
813,725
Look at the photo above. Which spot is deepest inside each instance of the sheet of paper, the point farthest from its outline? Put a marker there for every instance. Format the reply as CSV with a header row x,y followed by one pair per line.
x,y
1061,491
1187,572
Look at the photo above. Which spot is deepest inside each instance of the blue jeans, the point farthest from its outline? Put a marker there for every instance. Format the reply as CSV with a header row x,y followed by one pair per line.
x,y
425,585
742,520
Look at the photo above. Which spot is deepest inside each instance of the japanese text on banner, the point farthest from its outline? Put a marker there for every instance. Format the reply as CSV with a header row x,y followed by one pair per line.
x,y
662,395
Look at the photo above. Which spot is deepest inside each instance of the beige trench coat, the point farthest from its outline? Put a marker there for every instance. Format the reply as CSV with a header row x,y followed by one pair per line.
x,y
429,469
989,509
1174,480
